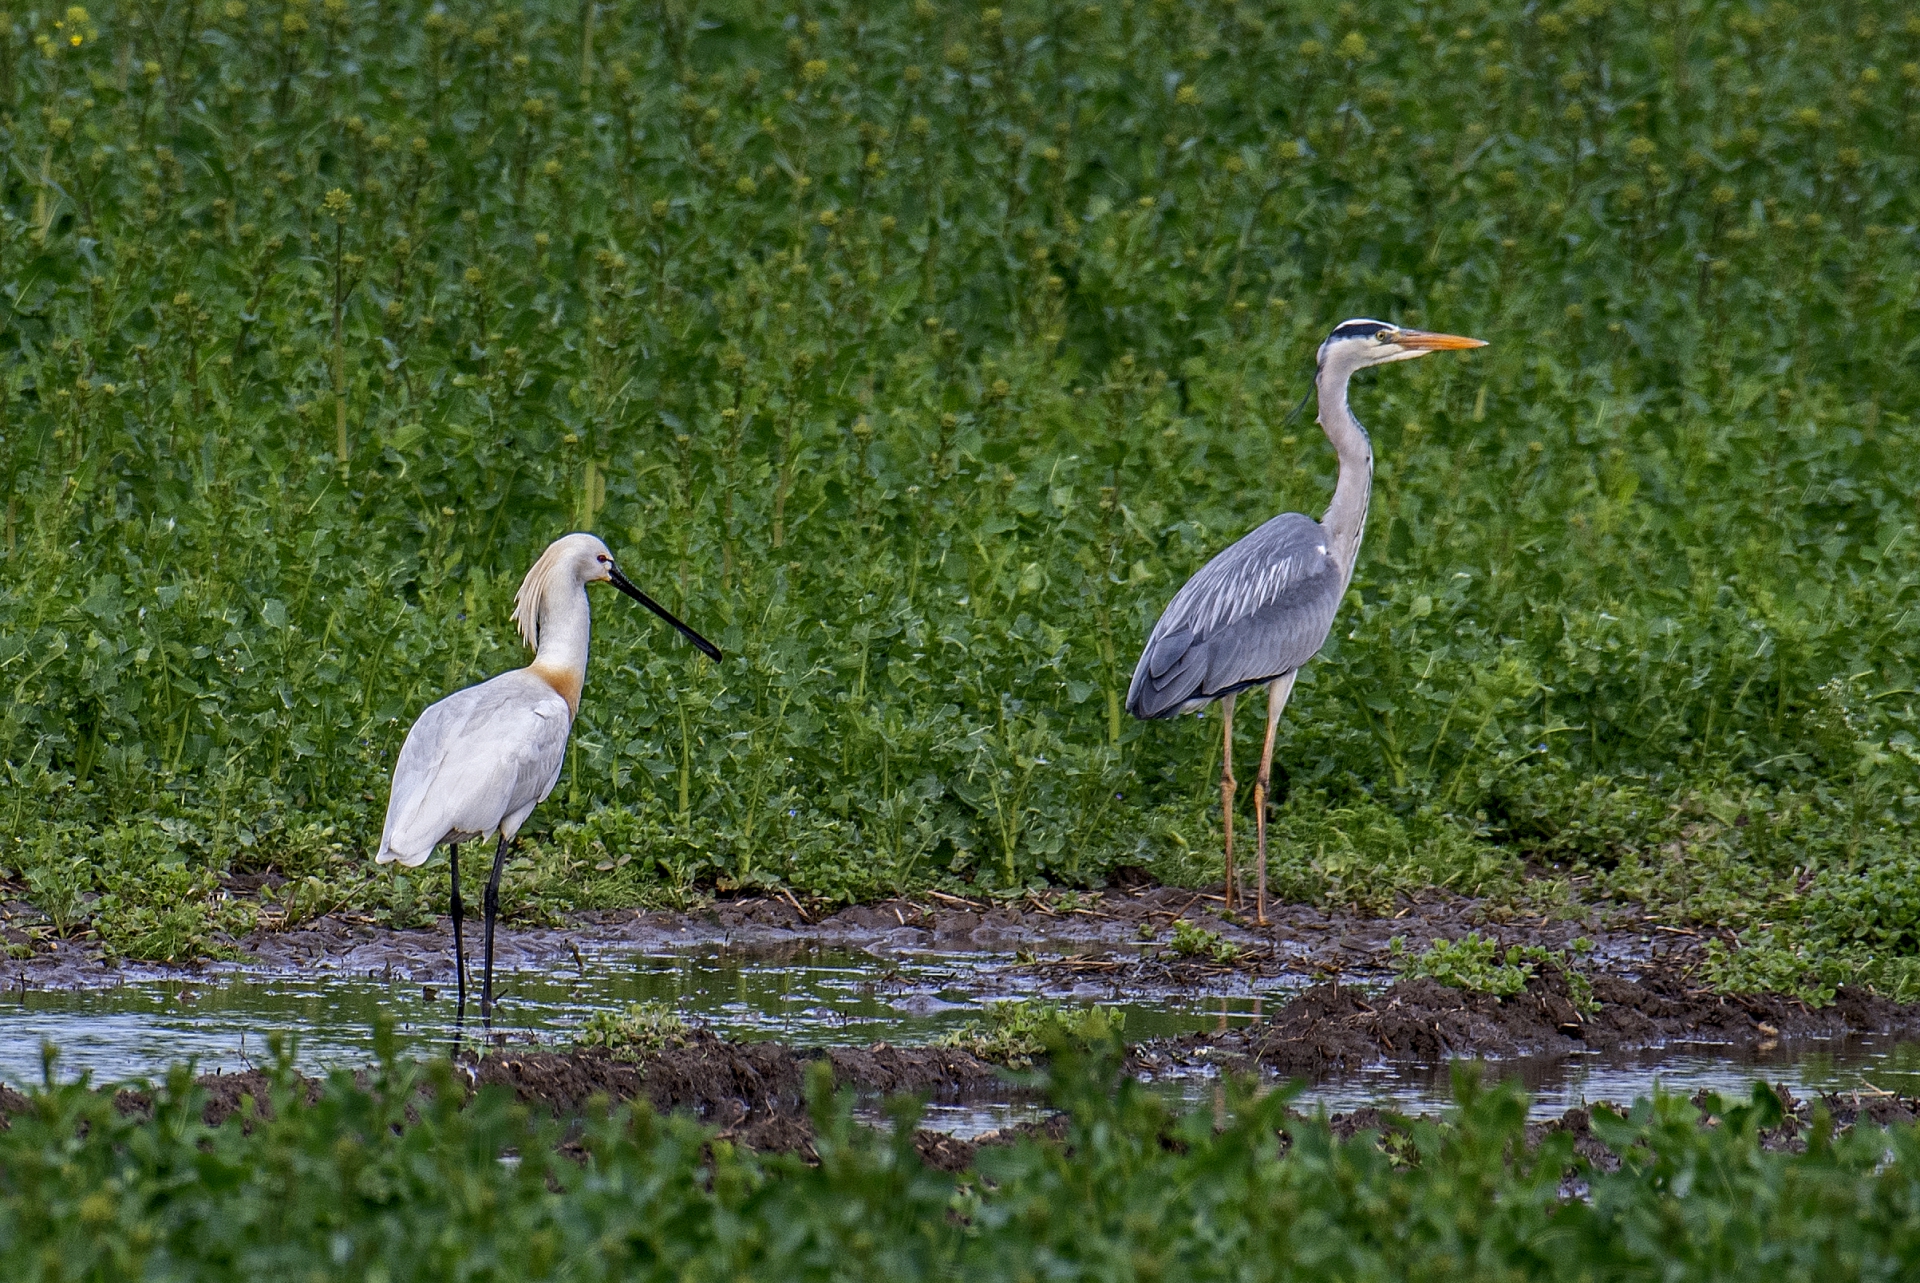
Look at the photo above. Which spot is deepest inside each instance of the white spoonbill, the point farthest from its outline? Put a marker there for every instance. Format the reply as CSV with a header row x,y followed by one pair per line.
x,y
477,763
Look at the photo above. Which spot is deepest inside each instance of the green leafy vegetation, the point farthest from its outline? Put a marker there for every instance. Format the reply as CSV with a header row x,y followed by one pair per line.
x,y
1481,966
917,353
384,1181
1469,963
1018,1032
643,1029
1193,941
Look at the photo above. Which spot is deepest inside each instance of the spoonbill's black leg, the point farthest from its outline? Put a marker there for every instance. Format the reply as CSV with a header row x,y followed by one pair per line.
x,y
459,951
492,911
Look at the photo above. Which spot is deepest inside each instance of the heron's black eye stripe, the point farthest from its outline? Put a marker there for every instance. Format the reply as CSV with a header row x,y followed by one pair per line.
x,y
1360,330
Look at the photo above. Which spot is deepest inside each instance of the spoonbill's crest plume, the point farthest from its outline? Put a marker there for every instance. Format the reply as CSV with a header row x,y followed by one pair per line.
x,y
568,563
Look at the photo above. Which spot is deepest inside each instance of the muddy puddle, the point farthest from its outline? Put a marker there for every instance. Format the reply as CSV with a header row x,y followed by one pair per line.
x,y
809,998
1312,997
801,997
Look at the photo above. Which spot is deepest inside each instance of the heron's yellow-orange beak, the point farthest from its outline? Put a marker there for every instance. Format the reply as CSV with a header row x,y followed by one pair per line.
x,y
1427,341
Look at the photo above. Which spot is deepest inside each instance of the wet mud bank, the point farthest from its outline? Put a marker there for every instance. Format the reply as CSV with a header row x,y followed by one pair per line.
x,y
1335,1027
1316,993
754,1095
1088,937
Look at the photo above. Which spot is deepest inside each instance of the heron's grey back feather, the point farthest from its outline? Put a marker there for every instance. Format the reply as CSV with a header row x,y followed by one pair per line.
x,y
1257,611
475,764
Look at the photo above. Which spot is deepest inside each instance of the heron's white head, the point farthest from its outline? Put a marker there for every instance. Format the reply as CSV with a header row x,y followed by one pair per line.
x,y
569,564
1359,343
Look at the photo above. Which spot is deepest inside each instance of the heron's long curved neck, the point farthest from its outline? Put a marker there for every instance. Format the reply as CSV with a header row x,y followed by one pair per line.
x,y
1346,519
565,628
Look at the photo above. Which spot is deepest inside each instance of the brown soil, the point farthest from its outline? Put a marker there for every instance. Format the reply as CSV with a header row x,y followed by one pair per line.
x,y
1115,936
1333,1027
1106,946
226,1094
755,1093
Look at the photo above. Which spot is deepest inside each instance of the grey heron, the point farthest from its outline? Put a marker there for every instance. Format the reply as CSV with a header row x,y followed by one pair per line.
x,y
1264,606
477,762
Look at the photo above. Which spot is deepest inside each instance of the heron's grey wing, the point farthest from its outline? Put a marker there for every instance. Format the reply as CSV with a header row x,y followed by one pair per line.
x,y
1258,610
475,758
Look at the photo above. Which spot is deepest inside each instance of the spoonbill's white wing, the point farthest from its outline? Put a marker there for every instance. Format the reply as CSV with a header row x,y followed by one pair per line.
x,y
474,761
1257,611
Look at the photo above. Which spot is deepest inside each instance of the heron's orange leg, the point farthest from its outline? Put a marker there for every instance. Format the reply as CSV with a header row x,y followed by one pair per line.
x,y
1277,692
1227,786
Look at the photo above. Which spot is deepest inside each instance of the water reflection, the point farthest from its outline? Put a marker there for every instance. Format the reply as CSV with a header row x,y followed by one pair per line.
x,y
813,997
804,997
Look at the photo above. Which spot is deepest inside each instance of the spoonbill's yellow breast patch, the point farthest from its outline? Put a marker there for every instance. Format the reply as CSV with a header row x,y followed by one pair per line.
x,y
567,682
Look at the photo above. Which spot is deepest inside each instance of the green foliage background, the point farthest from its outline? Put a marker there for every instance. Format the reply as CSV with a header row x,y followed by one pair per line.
x,y
917,353
378,1182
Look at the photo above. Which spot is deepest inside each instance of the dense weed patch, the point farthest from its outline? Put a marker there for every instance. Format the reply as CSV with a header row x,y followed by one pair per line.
x,y
917,352
1018,1031
1479,965
384,1182
643,1029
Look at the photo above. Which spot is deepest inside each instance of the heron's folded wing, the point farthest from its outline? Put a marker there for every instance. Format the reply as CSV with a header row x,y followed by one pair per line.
x,y
1258,610
474,758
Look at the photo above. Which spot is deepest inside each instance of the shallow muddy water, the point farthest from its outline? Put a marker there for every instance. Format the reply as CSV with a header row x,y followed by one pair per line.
x,y
811,997
806,998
